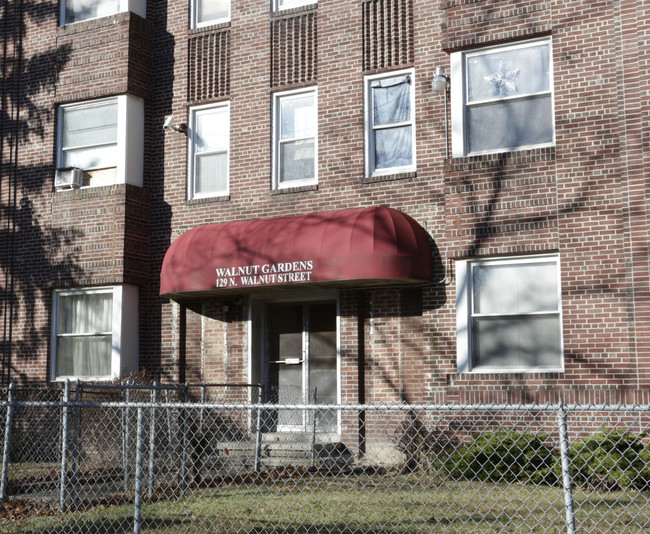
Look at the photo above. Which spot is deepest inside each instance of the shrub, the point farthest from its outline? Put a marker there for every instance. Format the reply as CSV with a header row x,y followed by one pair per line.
x,y
611,460
504,456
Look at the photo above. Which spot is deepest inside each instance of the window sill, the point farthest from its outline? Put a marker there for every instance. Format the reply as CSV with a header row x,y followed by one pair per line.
x,y
297,189
516,157
390,177
208,200
216,27
290,11
93,191
502,375
71,28
64,379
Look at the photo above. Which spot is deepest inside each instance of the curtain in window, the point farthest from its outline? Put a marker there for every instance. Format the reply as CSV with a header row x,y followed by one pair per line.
x,y
391,103
516,319
212,10
211,173
84,344
509,102
78,10
523,288
90,136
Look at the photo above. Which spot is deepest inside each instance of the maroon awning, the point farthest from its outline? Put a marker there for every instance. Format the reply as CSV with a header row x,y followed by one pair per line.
x,y
368,246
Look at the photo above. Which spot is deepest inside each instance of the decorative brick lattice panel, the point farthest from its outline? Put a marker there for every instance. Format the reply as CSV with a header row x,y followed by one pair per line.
x,y
387,33
294,49
209,66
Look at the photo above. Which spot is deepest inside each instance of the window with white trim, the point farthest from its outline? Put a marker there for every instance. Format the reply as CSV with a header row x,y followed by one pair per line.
x,y
295,138
89,135
104,138
209,151
206,12
509,315
94,332
80,10
502,98
390,123
279,5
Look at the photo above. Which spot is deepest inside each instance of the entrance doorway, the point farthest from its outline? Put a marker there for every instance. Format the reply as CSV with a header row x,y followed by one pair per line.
x,y
301,364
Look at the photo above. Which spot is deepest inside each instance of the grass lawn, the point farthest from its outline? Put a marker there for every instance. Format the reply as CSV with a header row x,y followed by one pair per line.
x,y
394,503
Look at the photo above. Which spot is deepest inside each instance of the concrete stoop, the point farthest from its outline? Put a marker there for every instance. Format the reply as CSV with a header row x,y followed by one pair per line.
x,y
276,450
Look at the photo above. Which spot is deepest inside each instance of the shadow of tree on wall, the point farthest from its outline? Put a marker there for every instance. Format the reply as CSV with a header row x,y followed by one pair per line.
x,y
604,292
27,242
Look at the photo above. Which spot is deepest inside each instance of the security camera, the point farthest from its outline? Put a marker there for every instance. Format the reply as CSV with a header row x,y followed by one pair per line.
x,y
169,125
169,121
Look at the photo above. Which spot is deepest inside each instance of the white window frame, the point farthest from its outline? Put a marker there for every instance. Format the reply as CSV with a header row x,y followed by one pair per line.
x,y
135,6
281,5
195,16
124,333
459,104
370,128
464,314
130,136
277,118
192,136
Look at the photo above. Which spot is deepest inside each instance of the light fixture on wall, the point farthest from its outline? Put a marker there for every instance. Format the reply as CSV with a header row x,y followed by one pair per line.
x,y
169,125
440,80
440,84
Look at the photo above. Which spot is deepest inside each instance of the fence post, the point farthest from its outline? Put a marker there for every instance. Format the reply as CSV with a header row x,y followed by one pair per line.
x,y
171,444
64,447
201,416
184,441
137,515
125,439
75,443
152,437
258,431
567,482
7,443
313,433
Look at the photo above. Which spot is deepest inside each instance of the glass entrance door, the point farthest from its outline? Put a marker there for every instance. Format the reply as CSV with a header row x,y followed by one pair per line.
x,y
301,360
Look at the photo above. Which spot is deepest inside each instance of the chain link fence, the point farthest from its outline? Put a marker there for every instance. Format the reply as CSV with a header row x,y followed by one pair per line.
x,y
215,459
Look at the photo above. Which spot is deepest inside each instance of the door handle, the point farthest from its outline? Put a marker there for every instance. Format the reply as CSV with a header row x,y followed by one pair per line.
x,y
289,361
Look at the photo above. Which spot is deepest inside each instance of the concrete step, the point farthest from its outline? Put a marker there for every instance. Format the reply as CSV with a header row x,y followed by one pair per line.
x,y
276,450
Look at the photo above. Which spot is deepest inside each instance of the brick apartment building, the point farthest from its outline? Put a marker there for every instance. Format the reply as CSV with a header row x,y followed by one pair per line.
x,y
277,192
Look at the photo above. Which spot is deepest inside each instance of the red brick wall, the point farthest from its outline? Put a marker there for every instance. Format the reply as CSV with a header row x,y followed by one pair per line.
x,y
585,198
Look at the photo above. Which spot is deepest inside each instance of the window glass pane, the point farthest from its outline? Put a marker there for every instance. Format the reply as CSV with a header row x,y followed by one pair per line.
x,y
78,10
510,124
297,118
391,101
504,73
84,356
517,342
297,160
211,173
393,147
208,10
96,157
515,288
85,313
211,144
91,125
212,131
322,361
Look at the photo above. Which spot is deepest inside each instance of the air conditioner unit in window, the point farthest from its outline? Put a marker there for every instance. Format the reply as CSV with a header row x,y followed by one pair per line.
x,y
68,178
